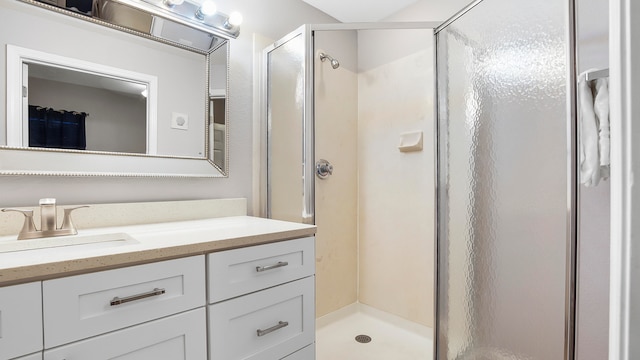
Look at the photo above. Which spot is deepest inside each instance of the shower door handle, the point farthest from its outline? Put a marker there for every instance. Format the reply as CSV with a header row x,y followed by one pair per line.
x,y
323,169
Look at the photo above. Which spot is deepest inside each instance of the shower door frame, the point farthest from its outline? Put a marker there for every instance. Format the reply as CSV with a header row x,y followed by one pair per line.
x,y
307,125
572,183
307,32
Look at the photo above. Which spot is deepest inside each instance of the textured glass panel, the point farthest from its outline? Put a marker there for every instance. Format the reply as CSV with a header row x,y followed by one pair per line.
x,y
285,115
502,75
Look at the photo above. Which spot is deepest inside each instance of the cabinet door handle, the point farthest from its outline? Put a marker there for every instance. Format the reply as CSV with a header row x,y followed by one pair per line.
x,y
271,267
280,325
119,301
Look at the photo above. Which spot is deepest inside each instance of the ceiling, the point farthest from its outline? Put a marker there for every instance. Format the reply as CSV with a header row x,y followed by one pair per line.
x,y
359,10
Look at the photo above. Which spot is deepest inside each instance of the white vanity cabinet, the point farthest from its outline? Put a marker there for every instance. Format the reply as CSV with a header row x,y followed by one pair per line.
x,y
262,301
82,306
254,302
20,320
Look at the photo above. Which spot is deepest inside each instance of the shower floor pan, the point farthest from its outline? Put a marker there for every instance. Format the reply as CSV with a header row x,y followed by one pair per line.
x,y
391,337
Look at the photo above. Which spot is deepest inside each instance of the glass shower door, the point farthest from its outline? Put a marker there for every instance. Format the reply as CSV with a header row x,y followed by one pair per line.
x,y
505,193
288,197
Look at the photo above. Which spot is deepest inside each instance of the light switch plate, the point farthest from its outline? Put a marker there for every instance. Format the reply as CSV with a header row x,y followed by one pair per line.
x,y
179,121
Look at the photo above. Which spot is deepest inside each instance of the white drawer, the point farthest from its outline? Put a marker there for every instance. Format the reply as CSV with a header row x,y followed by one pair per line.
x,y
20,320
81,306
233,333
177,337
241,271
308,353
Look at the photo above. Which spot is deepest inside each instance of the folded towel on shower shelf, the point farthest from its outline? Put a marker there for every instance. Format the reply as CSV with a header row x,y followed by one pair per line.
x,y
593,137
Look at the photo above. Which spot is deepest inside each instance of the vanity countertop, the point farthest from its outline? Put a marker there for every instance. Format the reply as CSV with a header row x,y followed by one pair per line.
x,y
154,242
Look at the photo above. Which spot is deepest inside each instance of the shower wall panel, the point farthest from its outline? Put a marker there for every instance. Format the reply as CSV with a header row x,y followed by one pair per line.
x,y
395,189
335,117
504,172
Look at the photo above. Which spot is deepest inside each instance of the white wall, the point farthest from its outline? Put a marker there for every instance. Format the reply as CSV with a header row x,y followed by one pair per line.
x,y
429,10
625,198
273,19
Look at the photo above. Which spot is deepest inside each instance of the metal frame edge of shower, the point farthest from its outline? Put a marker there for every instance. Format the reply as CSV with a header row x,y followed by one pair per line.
x,y
457,15
436,277
571,295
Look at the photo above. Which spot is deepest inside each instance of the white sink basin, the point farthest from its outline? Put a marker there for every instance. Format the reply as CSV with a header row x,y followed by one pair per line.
x,y
96,241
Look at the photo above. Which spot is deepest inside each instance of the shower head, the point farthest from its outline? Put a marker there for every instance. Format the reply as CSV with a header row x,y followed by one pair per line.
x,y
334,63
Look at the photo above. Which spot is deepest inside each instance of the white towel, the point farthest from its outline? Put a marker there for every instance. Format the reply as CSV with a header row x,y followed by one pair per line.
x,y
594,146
601,105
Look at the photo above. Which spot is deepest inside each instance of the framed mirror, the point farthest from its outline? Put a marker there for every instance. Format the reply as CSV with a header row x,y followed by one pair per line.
x,y
144,108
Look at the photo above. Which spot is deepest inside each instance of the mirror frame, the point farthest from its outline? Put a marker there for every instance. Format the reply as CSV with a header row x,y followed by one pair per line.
x,y
21,161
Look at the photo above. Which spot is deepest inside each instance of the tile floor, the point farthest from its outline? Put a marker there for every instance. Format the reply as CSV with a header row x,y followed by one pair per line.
x,y
393,338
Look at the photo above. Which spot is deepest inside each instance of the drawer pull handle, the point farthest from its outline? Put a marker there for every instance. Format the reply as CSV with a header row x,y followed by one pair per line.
x,y
118,300
280,325
271,267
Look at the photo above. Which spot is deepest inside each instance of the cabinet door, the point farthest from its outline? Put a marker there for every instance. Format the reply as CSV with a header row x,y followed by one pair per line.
x,y
177,337
78,307
269,324
241,271
20,320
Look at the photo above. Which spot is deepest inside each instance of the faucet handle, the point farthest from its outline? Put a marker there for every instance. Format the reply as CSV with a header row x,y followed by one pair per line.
x,y
28,228
67,224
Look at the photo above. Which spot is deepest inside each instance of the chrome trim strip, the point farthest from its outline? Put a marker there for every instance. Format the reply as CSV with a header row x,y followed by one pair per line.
x,y
457,15
572,184
376,26
436,141
308,144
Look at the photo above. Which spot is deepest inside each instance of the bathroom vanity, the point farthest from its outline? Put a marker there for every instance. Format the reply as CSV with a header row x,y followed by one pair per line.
x,y
233,287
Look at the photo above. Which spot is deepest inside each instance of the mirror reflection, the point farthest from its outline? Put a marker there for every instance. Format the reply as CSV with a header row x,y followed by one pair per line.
x,y
177,127
217,106
72,110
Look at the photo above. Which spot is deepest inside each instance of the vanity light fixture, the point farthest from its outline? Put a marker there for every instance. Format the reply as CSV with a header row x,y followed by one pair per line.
x,y
194,24
207,8
235,19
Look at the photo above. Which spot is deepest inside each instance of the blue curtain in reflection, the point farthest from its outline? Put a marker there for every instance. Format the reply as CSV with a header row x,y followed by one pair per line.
x,y
59,129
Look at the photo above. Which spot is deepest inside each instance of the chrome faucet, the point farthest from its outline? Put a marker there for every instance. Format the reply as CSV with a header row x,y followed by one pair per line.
x,y
48,221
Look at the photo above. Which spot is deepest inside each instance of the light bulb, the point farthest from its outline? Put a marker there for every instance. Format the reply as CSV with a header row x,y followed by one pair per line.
x,y
207,8
235,19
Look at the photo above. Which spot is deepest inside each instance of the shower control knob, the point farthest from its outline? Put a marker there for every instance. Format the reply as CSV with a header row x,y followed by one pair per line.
x,y
323,169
